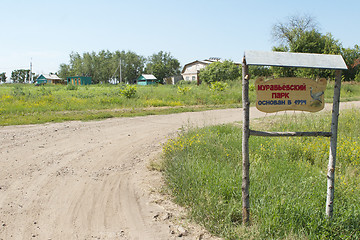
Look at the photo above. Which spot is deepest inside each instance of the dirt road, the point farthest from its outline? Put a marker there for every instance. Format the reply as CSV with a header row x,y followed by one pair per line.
x,y
90,180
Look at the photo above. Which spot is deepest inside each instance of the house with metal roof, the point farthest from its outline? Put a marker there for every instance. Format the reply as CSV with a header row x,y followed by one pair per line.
x,y
146,79
190,71
49,79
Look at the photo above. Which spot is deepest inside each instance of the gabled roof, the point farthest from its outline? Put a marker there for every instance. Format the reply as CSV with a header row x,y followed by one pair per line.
x,y
51,76
148,76
205,62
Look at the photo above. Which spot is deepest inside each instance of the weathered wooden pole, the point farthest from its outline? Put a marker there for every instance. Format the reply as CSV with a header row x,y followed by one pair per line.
x,y
245,144
333,145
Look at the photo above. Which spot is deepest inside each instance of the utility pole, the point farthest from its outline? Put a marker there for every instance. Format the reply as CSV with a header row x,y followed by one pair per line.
x,y
30,77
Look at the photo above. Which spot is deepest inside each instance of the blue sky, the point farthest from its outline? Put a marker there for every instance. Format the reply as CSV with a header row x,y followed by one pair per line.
x,y
48,31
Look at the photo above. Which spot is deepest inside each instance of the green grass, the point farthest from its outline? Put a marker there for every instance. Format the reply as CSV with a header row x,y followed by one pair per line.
x,y
288,179
25,104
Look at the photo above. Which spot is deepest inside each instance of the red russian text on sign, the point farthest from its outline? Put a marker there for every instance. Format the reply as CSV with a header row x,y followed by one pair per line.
x,y
301,94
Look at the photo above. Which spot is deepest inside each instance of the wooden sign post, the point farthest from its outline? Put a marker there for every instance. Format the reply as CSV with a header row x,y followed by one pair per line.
x,y
333,145
245,144
289,94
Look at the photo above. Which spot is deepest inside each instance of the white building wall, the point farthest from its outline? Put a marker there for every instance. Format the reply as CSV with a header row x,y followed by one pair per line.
x,y
191,71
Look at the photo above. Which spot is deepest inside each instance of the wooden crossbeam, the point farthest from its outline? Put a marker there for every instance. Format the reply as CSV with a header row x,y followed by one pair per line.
x,y
290,134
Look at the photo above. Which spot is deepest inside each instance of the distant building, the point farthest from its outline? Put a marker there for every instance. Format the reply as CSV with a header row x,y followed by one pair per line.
x,y
48,79
79,80
191,70
146,79
173,79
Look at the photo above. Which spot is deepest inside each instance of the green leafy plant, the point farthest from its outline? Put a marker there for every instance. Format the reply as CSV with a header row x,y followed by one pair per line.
x,y
183,90
218,86
220,71
129,91
251,87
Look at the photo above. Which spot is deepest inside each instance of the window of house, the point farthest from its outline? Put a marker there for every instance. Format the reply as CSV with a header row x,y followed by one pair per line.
x,y
193,78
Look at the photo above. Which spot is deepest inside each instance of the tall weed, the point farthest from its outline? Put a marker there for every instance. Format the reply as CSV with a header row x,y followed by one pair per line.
x,y
288,180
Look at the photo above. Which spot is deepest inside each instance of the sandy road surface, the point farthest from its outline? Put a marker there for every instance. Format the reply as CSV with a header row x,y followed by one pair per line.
x,y
89,180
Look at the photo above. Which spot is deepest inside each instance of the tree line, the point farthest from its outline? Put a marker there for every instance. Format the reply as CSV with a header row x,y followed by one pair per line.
x,y
18,76
105,66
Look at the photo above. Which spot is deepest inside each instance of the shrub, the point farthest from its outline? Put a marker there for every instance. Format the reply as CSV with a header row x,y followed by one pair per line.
x,y
183,90
218,86
129,91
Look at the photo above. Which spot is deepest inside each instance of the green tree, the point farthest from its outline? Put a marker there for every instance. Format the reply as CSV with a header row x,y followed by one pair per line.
x,y
288,32
220,71
76,64
132,66
315,42
308,42
300,34
88,64
352,60
64,71
332,45
20,76
3,77
104,66
162,65
260,71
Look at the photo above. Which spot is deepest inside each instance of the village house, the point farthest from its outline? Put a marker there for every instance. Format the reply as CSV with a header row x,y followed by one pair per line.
x,y
49,79
191,70
146,79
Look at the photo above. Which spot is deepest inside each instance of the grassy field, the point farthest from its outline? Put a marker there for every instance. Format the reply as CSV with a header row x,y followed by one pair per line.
x,y
27,104
288,179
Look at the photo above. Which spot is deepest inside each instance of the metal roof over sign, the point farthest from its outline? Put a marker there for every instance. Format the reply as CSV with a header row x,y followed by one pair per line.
x,y
304,60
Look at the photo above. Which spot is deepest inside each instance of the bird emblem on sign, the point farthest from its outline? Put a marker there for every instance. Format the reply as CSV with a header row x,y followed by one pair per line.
x,y
316,96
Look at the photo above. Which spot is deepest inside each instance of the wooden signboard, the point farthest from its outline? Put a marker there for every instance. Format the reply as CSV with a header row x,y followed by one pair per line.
x,y
282,94
289,94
